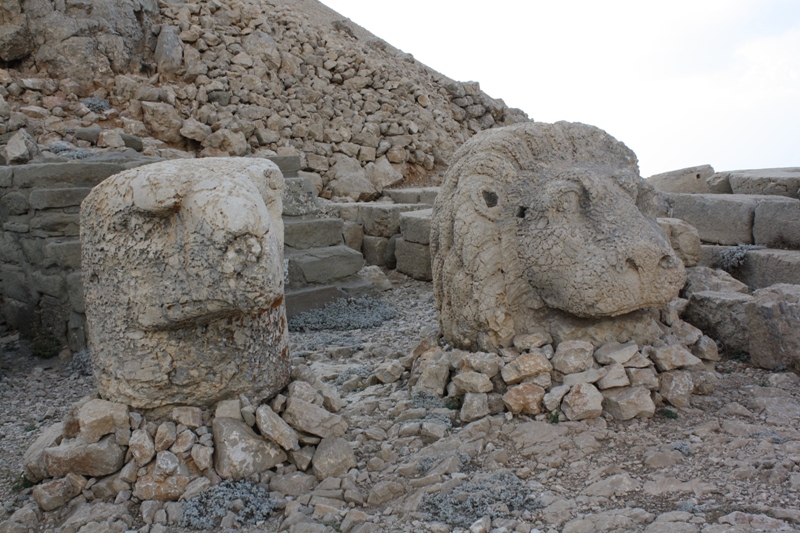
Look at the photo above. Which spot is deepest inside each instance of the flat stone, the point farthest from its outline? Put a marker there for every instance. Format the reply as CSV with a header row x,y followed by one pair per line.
x,y
274,427
307,417
79,457
413,259
239,452
614,352
191,417
294,484
333,458
305,233
626,403
672,357
526,365
473,382
323,265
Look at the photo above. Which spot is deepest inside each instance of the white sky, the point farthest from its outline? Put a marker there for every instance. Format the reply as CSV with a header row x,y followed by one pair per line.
x,y
682,83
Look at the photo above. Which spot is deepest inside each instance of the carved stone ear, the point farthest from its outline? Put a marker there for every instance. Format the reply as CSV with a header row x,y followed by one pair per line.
x,y
156,197
486,196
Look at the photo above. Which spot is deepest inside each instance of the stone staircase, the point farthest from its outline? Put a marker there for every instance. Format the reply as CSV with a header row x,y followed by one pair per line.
x,y
319,267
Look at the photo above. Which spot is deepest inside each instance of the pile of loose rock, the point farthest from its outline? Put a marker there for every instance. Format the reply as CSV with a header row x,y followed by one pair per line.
x,y
570,380
104,451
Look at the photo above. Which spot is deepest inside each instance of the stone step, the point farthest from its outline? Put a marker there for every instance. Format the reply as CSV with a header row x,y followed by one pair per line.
x,y
304,233
760,268
288,164
413,195
764,181
415,226
308,298
730,219
322,265
299,198
378,219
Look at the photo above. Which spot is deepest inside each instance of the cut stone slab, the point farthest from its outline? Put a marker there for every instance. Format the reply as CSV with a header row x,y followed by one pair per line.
x,y
722,316
374,250
693,180
707,279
413,259
776,224
766,181
305,299
304,233
299,197
323,265
773,326
416,226
413,195
239,452
377,219
720,218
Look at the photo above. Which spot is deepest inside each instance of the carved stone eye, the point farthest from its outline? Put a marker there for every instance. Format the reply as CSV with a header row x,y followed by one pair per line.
x,y
521,211
490,198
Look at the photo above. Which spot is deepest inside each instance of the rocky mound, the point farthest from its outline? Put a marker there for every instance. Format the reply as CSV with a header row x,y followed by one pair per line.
x,y
234,78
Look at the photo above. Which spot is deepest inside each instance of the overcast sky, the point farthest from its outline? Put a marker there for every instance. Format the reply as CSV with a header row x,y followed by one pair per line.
x,y
682,83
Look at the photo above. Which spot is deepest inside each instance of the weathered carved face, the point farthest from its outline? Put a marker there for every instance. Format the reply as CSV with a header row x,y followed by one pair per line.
x,y
183,278
195,248
534,218
581,241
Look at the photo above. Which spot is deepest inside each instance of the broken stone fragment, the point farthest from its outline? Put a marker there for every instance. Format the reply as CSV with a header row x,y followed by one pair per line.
x,y
526,365
473,382
676,387
614,352
239,452
572,357
165,436
615,377
191,417
202,456
142,447
56,492
434,375
79,457
475,406
671,357
309,418
626,403
97,418
165,480
583,401
274,427
34,458
333,458
525,398
552,400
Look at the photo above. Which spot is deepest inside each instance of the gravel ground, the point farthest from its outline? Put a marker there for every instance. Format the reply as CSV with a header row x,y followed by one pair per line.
x,y
731,462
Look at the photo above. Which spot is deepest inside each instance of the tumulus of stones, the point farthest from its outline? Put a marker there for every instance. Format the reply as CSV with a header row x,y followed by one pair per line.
x,y
183,276
548,225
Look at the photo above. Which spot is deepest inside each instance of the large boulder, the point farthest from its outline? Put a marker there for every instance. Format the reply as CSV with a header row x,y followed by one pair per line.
x,y
773,325
183,276
540,223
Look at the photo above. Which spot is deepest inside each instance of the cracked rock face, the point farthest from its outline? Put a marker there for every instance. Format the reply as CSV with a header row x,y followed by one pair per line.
x,y
537,221
183,276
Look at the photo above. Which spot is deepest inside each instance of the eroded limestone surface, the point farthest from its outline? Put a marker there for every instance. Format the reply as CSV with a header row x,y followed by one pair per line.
x,y
183,275
538,225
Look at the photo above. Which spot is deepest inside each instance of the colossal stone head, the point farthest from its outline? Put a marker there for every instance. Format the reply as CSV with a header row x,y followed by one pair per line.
x,y
536,221
183,277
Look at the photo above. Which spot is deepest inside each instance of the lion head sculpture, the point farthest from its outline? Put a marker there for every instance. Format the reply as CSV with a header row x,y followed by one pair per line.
x,y
538,222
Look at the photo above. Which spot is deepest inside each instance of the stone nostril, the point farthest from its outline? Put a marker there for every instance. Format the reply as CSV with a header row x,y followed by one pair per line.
x,y
630,263
521,211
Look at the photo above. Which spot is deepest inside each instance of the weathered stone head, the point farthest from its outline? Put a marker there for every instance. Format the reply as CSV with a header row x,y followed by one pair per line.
x,y
536,221
183,278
